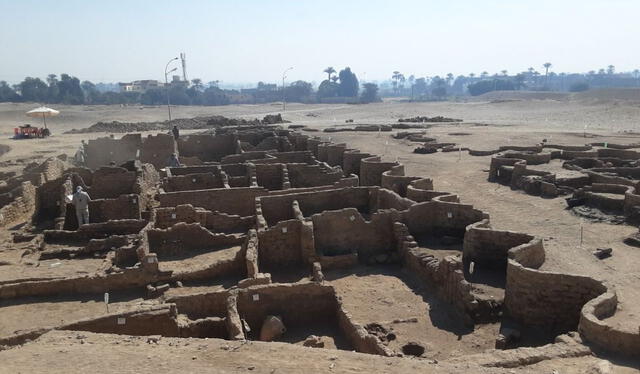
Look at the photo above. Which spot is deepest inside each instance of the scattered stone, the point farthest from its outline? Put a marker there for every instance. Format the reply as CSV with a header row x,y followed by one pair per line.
x,y
603,253
313,341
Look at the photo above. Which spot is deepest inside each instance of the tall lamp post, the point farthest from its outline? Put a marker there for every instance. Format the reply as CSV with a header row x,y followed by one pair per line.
x,y
166,83
284,99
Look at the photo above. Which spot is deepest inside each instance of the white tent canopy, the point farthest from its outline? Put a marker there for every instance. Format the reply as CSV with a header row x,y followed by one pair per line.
x,y
43,112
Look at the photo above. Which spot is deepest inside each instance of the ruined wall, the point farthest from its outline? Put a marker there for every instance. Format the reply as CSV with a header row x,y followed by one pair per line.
x,y
190,182
371,170
345,231
111,182
279,207
489,248
213,221
246,156
102,151
297,304
298,157
303,175
239,201
351,161
208,147
334,154
395,180
441,217
157,150
270,176
22,206
185,237
279,247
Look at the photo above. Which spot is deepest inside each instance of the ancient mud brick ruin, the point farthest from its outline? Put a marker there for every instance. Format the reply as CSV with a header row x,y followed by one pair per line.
x,y
600,178
263,222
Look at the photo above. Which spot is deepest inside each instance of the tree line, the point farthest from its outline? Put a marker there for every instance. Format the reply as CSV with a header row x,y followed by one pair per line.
x,y
439,88
68,89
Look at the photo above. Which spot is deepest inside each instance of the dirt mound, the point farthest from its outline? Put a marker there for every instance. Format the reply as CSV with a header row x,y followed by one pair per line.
x,y
502,96
429,119
609,94
182,123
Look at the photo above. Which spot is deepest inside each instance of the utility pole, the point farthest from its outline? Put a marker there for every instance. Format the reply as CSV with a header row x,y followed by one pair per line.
x,y
284,98
166,83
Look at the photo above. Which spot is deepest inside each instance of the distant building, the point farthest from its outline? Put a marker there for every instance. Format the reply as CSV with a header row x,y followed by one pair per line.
x,y
140,86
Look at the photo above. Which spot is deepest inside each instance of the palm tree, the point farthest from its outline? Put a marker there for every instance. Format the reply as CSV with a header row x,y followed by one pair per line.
x,y
330,70
484,74
472,75
611,69
396,77
504,73
197,83
546,65
636,74
334,79
449,78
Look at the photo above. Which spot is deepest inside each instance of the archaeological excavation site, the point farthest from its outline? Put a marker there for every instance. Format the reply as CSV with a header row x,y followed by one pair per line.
x,y
268,237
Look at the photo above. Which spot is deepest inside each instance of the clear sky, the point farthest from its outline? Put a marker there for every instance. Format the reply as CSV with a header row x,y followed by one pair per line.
x,y
252,40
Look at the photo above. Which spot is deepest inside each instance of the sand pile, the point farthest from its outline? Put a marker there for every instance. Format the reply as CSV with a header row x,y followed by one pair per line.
x,y
182,123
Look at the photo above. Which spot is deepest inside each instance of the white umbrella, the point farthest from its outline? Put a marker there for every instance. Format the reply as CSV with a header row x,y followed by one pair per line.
x,y
43,112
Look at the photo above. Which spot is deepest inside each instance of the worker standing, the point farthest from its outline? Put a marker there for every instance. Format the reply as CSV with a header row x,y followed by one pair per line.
x,y
176,132
173,161
81,201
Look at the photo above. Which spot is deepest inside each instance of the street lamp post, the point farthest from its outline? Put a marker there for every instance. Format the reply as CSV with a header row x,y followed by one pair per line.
x,y
166,83
284,99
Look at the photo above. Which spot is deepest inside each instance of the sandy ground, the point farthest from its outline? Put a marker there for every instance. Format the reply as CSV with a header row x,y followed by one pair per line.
x,y
523,122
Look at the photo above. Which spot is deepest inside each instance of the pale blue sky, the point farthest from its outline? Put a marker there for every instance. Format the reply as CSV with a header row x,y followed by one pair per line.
x,y
251,40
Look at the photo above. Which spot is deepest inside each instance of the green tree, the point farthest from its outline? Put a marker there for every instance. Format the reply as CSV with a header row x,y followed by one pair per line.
x,y
327,89
298,91
197,84
348,83
369,93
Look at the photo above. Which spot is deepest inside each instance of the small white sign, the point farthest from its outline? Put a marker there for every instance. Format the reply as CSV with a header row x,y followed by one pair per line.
x,y
173,216
134,200
256,297
352,218
122,320
151,260
193,180
449,215
284,230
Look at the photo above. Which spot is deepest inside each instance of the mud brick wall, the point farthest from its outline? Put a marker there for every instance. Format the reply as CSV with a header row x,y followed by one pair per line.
x,y
239,201
201,305
122,207
102,151
299,157
297,304
245,156
489,248
371,170
530,158
22,207
303,175
334,154
441,218
345,231
156,150
279,247
385,199
280,207
618,153
351,161
157,321
111,182
496,163
185,237
190,182
270,176
549,300
208,147
595,329
396,181
216,222
198,169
